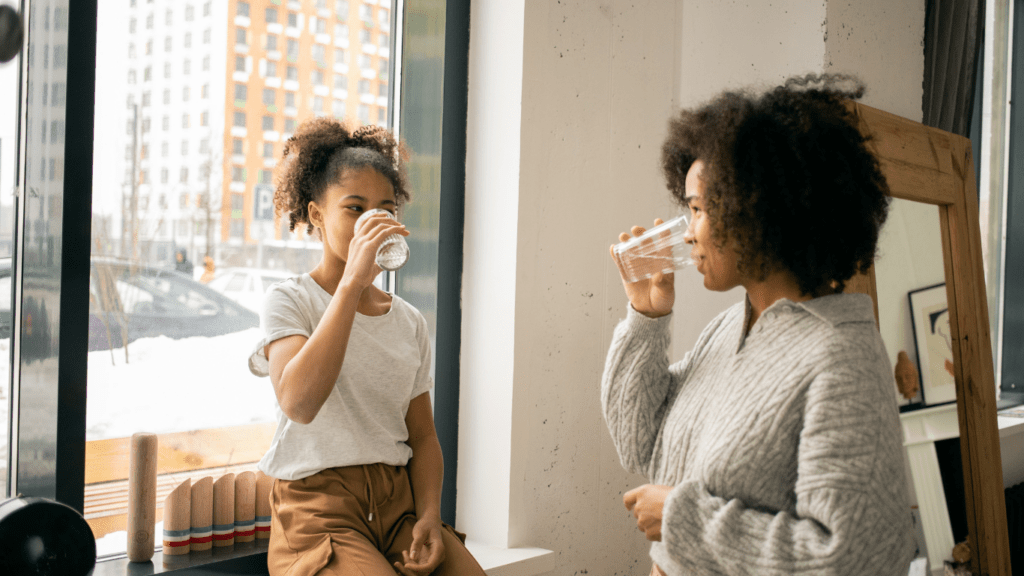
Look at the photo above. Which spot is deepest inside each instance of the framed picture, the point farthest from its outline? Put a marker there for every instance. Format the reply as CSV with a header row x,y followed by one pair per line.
x,y
929,314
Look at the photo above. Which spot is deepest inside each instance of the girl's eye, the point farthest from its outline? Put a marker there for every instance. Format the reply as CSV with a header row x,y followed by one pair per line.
x,y
355,208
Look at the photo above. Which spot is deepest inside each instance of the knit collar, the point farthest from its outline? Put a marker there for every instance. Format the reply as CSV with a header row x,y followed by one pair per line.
x,y
835,309
839,309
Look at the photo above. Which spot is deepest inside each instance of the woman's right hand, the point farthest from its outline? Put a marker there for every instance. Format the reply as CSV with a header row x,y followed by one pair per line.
x,y
652,297
361,264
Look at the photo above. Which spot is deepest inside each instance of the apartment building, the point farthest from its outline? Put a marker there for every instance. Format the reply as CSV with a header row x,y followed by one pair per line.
x,y
212,91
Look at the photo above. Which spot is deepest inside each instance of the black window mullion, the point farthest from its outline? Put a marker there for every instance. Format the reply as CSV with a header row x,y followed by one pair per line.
x,y
1012,379
73,336
449,268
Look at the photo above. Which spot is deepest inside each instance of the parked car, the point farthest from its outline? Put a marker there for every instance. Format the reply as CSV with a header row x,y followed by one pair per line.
x,y
247,285
128,301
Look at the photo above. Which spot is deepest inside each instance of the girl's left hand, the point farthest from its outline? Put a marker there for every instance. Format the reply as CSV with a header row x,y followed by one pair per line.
x,y
427,550
647,503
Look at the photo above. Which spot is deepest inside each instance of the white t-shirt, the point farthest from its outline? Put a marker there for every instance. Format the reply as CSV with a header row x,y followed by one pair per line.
x,y
387,364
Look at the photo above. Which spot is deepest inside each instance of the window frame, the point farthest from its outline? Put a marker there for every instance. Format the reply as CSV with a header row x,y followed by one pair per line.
x,y
1008,331
67,269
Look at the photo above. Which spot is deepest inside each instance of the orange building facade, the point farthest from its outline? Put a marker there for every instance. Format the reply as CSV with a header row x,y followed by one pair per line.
x,y
289,61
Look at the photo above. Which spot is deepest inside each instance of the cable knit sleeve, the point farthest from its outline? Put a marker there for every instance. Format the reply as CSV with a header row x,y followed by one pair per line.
x,y
850,515
638,384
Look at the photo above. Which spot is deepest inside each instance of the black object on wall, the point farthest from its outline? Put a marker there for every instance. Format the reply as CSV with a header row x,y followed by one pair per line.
x,y
43,537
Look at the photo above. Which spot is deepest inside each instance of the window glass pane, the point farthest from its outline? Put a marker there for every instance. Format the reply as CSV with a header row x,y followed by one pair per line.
x,y
423,66
8,145
178,281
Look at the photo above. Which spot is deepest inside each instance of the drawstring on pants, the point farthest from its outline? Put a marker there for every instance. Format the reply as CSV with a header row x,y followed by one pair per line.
x,y
368,492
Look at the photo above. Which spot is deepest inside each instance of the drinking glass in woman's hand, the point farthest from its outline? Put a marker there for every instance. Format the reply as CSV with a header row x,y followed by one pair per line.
x,y
661,249
653,294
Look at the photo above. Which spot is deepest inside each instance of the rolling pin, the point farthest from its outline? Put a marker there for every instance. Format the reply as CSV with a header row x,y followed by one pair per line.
x,y
142,497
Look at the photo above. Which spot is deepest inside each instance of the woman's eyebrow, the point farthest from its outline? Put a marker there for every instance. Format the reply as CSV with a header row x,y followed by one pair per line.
x,y
689,199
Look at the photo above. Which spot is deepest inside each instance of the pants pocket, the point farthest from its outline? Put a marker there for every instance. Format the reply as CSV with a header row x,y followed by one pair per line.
x,y
459,535
311,561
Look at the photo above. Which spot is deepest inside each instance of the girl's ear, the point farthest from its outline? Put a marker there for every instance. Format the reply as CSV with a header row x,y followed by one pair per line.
x,y
315,216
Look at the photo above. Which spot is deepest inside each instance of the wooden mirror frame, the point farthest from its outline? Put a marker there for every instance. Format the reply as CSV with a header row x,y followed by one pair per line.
x,y
931,166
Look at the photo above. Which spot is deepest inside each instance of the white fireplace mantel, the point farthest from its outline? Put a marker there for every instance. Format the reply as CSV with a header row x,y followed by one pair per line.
x,y
921,429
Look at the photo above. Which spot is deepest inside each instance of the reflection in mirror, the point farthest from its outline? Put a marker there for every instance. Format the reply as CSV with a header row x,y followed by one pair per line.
x,y
909,274
914,323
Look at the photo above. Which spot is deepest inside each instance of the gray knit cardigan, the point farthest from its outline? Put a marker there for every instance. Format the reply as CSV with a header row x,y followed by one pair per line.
x,y
783,445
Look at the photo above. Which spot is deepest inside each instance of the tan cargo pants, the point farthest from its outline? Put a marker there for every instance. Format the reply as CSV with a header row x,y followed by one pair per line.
x,y
354,520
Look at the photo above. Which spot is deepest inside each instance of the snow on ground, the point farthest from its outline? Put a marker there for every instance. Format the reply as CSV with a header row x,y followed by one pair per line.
x,y
167,386
176,386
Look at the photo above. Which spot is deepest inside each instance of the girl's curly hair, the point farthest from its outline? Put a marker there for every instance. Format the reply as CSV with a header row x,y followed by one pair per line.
x,y
317,154
789,182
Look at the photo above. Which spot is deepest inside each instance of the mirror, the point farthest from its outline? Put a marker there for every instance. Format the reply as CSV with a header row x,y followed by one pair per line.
x,y
911,300
913,319
928,166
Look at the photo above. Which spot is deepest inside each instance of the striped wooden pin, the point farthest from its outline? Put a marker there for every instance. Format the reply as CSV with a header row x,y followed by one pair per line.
x,y
202,515
245,507
177,524
224,511
264,484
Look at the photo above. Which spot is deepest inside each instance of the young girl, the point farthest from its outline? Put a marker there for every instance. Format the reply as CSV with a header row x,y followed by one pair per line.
x,y
356,459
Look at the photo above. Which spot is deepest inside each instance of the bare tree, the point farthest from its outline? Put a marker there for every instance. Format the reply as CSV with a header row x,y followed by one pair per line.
x,y
208,202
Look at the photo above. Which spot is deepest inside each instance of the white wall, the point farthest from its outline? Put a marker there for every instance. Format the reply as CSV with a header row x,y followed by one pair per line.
x,y
568,105
489,269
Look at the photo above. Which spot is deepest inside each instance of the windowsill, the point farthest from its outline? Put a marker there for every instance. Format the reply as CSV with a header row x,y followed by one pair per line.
x,y
252,559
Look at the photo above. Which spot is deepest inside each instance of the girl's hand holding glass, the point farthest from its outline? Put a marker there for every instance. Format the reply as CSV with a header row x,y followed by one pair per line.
x,y
367,238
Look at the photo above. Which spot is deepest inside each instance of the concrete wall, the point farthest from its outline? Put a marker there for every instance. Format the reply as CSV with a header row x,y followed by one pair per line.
x,y
568,103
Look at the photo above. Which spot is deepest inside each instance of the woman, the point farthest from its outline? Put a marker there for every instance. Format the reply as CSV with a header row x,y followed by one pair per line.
x,y
773,447
355,454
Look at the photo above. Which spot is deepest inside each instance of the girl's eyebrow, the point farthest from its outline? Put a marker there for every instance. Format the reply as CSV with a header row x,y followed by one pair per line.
x,y
363,199
689,199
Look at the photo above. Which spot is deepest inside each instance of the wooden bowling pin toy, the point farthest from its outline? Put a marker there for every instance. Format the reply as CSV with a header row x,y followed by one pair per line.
x,y
264,484
245,507
142,497
202,515
177,524
224,511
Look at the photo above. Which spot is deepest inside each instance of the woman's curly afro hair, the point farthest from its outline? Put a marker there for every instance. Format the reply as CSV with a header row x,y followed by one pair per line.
x,y
317,154
789,182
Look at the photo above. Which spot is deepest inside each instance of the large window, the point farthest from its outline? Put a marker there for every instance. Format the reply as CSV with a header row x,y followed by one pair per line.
x,y
137,315
1008,307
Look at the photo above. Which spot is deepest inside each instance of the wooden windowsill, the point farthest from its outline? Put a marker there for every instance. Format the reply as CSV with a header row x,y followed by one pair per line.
x,y
251,558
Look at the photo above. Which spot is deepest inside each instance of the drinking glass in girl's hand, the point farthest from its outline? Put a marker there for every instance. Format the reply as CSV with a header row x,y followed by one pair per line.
x,y
394,251
660,249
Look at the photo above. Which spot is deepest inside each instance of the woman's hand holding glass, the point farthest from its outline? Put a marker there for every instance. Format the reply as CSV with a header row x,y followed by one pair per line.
x,y
654,296
361,266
